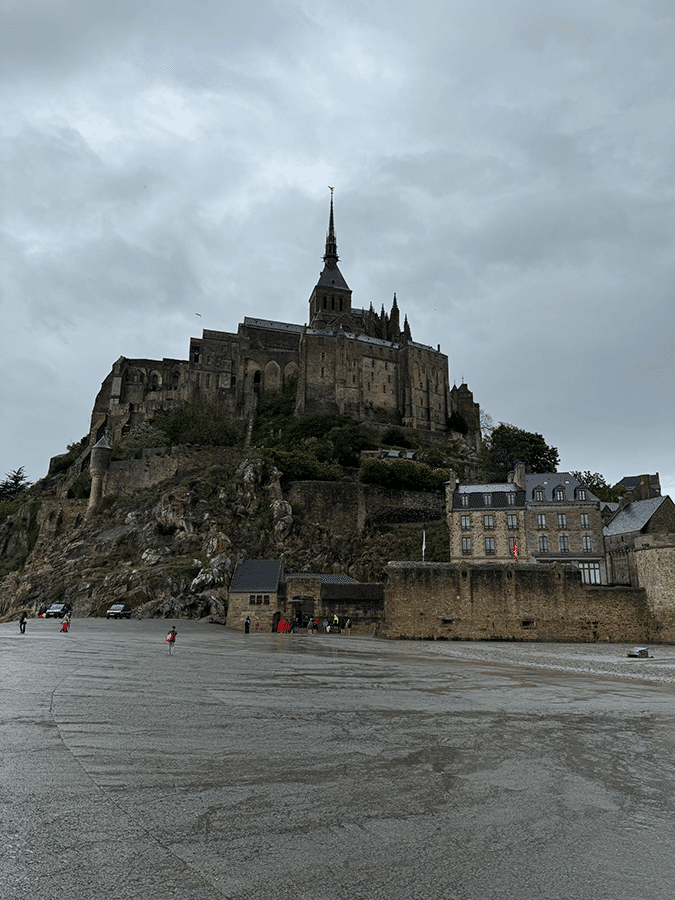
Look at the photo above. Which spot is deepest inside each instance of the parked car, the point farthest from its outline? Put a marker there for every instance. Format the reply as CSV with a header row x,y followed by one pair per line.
x,y
119,611
58,610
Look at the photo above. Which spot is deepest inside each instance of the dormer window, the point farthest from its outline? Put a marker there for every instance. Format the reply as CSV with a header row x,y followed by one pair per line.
x,y
539,494
581,494
465,499
487,499
560,493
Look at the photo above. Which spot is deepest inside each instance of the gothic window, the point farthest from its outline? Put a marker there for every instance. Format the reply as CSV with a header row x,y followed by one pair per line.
x,y
489,546
233,381
466,523
353,379
322,371
562,520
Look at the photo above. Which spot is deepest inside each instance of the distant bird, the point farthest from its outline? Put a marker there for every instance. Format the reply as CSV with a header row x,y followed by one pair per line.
x,y
198,314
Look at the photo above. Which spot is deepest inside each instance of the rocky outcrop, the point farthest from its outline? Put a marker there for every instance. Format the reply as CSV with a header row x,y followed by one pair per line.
x,y
170,549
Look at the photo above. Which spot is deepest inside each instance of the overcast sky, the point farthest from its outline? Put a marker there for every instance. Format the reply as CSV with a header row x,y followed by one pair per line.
x,y
508,168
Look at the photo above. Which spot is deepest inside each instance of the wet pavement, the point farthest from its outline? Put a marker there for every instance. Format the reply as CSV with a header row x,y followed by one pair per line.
x,y
330,767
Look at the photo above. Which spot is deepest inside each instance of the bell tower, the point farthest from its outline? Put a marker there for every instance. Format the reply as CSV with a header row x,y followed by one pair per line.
x,y
331,299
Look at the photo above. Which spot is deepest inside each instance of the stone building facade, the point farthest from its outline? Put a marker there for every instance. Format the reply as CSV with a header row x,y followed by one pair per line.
x,y
538,519
347,360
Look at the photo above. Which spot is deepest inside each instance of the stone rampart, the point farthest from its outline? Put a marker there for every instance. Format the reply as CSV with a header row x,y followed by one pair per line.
x,y
160,463
346,507
446,601
654,557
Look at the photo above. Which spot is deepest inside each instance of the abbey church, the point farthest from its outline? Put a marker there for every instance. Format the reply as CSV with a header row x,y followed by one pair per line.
x,y
350,361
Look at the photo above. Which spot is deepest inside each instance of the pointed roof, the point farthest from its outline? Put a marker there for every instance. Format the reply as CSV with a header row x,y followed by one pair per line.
x,y
633,517
331,277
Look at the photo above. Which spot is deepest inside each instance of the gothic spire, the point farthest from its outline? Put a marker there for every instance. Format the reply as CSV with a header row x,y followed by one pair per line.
x,y
331,242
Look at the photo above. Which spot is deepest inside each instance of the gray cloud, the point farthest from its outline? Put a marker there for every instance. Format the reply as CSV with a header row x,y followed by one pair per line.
x,y
506,170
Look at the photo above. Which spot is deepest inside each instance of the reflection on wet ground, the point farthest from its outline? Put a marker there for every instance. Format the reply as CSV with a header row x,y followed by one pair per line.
x,y
287,766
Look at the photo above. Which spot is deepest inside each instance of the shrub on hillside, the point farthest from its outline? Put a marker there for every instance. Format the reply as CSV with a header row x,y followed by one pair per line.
x,y
402,474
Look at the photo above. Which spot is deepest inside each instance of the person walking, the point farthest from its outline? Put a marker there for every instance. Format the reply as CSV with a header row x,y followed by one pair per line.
x,y
22,623
65,622
171,638
247,625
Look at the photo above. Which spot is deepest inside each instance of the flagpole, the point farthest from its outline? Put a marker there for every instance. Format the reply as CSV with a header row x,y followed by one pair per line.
x,y
424,542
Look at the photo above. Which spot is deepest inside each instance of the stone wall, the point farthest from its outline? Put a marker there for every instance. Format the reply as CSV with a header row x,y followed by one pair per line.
x,y
446,601
654,559
160,463
345,508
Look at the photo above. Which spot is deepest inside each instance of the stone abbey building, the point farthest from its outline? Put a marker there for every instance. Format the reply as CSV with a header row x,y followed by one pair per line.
x,y
354,362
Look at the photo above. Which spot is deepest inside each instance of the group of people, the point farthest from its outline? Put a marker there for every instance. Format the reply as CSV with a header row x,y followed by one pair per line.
x,y
336,625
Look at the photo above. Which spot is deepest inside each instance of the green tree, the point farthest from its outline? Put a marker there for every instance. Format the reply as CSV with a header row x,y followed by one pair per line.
x,y
15,483
596,483
508,445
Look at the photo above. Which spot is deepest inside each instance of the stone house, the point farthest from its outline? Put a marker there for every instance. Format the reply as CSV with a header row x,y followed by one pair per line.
x,y
260,589
255,591
349,361
536,519
653,516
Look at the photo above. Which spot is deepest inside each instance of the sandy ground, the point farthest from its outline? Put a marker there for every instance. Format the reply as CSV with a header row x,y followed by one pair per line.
x,y
287,766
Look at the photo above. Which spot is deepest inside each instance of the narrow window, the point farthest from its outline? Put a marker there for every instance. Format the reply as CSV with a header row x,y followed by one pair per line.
x,y
465,499
489,546
466,545
541,520
466,523
510,497
562,520
512,522
543,543
585,522
487,499
251,599
538,494
564,543
586,543
559,493
581,495
488,522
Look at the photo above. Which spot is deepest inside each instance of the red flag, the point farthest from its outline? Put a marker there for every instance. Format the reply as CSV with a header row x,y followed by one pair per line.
x,y
514,550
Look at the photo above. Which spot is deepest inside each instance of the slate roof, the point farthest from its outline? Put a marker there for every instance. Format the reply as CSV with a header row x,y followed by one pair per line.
x,y
487,488
633,517
630,482
549,481
271,325
325,579
256,576
331,277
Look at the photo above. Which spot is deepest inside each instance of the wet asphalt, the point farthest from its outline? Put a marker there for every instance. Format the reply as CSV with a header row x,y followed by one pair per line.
x,y
330,767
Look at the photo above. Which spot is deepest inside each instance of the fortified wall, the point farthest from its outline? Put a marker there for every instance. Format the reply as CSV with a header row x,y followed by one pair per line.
x,y
446,601
347,507
654,559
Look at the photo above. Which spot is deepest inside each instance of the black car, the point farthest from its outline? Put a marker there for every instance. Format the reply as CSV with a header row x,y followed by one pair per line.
x,y
119,611
58,610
